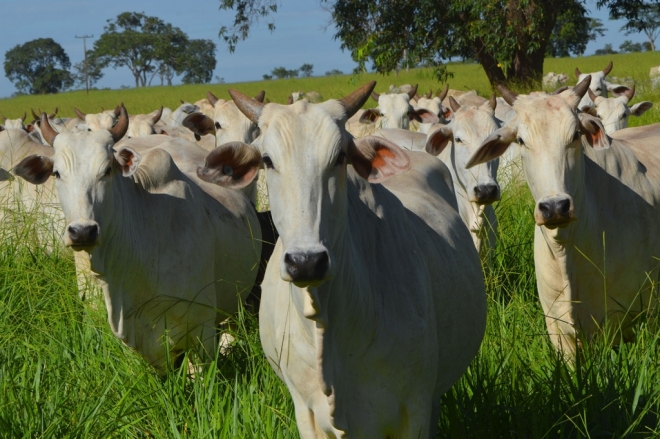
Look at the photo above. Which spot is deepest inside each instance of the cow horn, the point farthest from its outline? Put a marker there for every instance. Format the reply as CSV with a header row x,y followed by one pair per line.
x,y
608,69
118,109
251,108
47,132
182,102
79,113
509,96
592,95
453,104
354,101
34,115
3,117
577,72
53,114
102,108
119,130
630,93
581,89
443,95
411,93
24,116
289,100
260,97
212,98
375,96
493,102
156,118
429,94
560,90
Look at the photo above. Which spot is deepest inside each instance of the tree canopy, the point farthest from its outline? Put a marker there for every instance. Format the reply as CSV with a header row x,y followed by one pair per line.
x,y
39,66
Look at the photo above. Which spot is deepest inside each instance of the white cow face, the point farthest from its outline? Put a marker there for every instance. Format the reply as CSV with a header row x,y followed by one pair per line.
x,y
614,112
305,150
598,85
395,111
97,122
143,124
549,132
17,124
84,166
468,129
232,125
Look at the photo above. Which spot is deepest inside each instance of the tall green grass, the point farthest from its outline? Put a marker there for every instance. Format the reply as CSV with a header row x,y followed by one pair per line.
x,y
64,374
466,77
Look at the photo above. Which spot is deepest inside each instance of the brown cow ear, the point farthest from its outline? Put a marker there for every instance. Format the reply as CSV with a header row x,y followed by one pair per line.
x,y
594,132
370,116
423,116
128,160
494,146
35,169
376,159
199,124
438,140
233,165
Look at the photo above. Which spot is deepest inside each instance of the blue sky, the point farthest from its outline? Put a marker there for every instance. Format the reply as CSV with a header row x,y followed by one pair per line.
x,y
301,35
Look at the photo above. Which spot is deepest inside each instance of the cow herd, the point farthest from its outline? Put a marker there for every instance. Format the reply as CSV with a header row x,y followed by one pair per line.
x,y
366,270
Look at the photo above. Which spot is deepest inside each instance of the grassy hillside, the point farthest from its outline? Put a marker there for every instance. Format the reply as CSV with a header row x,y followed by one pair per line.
x,y
466,77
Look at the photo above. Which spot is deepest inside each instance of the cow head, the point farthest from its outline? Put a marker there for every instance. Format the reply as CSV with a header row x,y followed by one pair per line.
x,y
597,85
84,166
614,111
434,105
228,123
394,111
143,124
17,124
98,122
305,150
549,131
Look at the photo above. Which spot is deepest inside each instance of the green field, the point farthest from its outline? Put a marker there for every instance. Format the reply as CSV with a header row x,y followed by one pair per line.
x,y
64,375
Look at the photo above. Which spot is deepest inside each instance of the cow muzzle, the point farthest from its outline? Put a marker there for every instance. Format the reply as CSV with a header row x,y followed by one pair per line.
x,y
305,268
82,235
486,193
554,212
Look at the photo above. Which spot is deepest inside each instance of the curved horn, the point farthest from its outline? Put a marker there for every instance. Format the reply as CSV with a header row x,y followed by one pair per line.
x,y
493,102
289,100
251,108
581,89
577,72
592,95
375,96
102,108
354,101
608,69
53,114
411,93
429,94
509,96
211,98
118,109
34,115
260,97
156,118
79,113
182,102
24,116
630,93
560,90
119,130
453,104
443,95
47,132
3,117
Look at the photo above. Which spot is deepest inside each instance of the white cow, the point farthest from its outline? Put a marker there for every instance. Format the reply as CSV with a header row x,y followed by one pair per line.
x,y
597,212
614,112
553,80
434,105
143,124
99,121
367,342
393,111
598,84
476,189
14,123
175,259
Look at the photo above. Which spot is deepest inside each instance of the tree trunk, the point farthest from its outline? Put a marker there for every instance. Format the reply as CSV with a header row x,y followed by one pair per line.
x,y
489,64
137,79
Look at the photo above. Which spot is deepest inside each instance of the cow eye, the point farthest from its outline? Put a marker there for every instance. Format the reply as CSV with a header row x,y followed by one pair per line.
x,y
56,174
217,125
598,89
458,140
520,142
268,163
576,135
89,129
341,158
107,171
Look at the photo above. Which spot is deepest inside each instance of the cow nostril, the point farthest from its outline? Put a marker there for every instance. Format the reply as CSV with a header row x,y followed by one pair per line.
x,y
93,233
307,266
564,207
291,266
74,233
545,209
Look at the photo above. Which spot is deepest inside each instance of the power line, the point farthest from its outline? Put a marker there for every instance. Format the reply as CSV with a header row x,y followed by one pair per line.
x,y
84,38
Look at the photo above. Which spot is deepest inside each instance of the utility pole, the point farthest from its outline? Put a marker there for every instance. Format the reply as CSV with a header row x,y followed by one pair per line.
x,y
84,38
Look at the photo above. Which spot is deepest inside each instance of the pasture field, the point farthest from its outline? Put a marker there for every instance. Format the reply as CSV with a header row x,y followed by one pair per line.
x,y
64,375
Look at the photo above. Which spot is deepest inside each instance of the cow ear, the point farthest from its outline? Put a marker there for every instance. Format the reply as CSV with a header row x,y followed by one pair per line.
x,y
128,160
640,108
199,124
438,140
370,116
447,114
493,147
590,110
423,116
594,132
233,165
376,159
35,169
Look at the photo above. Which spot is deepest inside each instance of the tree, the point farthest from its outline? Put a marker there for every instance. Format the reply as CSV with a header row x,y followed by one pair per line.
x,y
647,21
94,70
628,46
334,72
39,66
572,33
283,72
306,69
197,67
607,50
